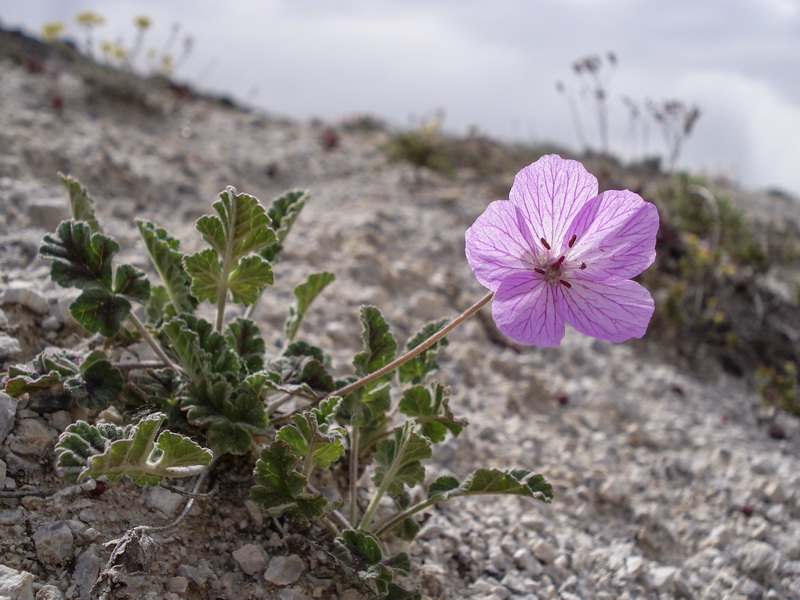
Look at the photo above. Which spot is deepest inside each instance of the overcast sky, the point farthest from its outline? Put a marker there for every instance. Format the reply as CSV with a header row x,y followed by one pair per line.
x,y
495,65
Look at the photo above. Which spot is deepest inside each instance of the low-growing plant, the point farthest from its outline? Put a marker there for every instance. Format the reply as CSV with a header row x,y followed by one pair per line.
x,y
214,390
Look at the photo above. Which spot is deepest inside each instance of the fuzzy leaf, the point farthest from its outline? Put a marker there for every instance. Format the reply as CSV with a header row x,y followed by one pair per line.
x,y
80,202
23,378
379,344
98,384
205,270
243,226
399,457
99,311
416,370
312,437
231,415
131,282
301,365
279,488
81,258
251,274
245,338
185,343
80,442
284,211
432,413
147,460
158,389
304,294
518,482
168,262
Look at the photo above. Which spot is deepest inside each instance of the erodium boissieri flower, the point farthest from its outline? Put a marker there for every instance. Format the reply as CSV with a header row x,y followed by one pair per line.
x,y
558,252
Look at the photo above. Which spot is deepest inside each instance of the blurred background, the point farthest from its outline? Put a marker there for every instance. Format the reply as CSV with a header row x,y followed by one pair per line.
x,y
585,74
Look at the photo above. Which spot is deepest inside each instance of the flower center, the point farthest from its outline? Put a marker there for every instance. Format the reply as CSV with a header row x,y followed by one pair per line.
x,y
555,271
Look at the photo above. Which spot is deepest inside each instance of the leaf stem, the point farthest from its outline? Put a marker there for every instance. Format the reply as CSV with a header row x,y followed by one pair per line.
x,y
414,351
394,520
388,478
151,342
354,442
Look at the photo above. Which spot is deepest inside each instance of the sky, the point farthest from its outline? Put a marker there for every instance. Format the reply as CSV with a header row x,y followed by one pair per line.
x,y
494,66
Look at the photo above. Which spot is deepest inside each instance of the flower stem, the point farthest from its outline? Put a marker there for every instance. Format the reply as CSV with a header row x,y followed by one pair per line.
x,y
151,342
393,521
414,351
354,443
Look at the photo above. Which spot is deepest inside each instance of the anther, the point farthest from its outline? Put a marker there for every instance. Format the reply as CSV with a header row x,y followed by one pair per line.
x,y
539,271
544,243
561,260
583,266
572,240
566,284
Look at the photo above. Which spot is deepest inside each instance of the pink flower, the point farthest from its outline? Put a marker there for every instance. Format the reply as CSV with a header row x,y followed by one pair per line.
x,y
558,252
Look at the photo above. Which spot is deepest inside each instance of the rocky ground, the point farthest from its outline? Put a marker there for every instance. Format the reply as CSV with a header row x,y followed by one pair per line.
x,y
667,481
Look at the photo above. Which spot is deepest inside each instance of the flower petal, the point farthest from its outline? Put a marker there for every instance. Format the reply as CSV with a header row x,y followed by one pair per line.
x,y
524,309
498,244
609,310
615,235
550,192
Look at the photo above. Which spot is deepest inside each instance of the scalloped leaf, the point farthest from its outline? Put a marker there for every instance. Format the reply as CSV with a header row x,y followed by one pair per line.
x,y
519,482
398,458
82,205
305,294
99,311
164,253
311,436
380,346
97,384
231,416
145,459
283,212
80,442
185,344
132,283
244,336
279,488
301,369
431,412
251,275
158,389
205,270
81,258
418,368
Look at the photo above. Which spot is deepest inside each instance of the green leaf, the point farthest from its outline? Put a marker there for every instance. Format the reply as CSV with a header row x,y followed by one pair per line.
x,y
251,274
242,226
158,389
311,436
98,384
231,415
304,294
408,528
81,258
205,270
301,369
417,369
131,282
99,311
279,488
517,482
379,344
245,338
359,549
432,413
185,343
398,459
145,459
168,261
80,442
80,202
284,211
203,352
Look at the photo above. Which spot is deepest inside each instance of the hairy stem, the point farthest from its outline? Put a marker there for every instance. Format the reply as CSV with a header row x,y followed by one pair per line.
x,y
155,346
387,478
354,442
414,351
394,520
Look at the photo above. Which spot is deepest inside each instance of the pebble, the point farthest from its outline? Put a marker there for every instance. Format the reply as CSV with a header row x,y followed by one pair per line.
x,y
8,409
165,501
9,348
87,569
54,544
26,294
50,592
660,579
31,438
178,585
544,551
284,570
251,559
47,214
15,585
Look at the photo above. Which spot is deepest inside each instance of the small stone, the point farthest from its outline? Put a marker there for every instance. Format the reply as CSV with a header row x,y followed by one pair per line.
x,y
291,594
15,585
51,323
25,294
254,512
178,585
544,551
87,569
31,438
757,558
660,579
9,348
717,538
3,318
527,563
49,592
2,474
165,501
498,559
284,570
54,544
634,565
250,559
47,214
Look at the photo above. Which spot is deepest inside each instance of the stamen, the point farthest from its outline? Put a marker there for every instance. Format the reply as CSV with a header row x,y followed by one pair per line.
x,y
560,260
544,243
566,284
539,271
572,240
583,266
